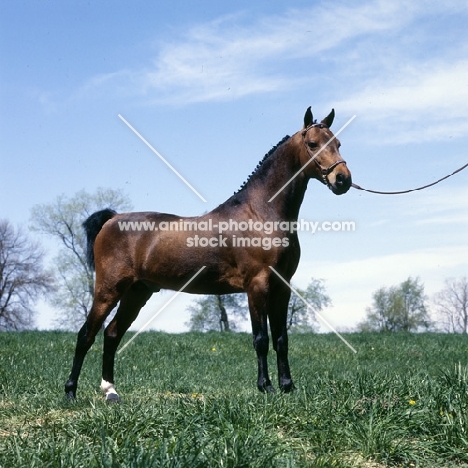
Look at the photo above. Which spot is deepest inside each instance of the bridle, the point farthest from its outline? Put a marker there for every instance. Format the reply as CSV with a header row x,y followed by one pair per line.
x,y
324,172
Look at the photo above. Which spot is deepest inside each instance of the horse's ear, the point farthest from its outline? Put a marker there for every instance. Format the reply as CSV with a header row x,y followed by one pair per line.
x,y
308,118
328,120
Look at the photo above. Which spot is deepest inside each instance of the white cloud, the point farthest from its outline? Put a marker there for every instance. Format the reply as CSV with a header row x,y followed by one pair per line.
x,y
232,57
433,95
221,60
353,52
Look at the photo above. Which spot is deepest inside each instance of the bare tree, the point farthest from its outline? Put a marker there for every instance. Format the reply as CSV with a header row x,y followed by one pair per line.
x,y
22,278
212,312
222,312
63,220
223,317
452,305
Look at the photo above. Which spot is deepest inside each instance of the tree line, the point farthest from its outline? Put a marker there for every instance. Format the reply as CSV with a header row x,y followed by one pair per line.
x,y
69,287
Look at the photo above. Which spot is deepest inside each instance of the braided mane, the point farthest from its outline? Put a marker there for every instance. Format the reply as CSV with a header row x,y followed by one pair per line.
x,y
284,140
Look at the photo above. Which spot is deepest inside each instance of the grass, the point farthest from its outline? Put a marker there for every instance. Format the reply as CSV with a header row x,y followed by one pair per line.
x,y
190,400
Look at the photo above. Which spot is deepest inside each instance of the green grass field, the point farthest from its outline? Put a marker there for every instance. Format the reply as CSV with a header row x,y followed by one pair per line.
x,y
190,400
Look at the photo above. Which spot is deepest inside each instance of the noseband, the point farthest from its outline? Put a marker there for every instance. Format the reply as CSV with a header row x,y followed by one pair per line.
x,y
324,172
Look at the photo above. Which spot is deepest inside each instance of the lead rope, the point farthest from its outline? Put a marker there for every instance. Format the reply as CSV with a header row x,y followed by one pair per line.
x,y
358,187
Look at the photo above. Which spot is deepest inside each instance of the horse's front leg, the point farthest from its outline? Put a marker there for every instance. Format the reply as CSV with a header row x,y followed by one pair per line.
x,y
257,304
277,313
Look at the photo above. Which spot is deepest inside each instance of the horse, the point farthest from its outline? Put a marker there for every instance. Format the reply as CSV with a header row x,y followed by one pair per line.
x,y
246,244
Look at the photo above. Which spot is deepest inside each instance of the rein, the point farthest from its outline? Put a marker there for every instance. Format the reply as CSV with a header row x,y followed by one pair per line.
x,y
358,187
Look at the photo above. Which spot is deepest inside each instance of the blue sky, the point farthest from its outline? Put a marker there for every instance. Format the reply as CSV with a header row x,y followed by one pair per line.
x,y
213,86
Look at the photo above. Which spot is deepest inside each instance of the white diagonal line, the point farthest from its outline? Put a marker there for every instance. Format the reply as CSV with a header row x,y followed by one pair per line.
x,y
159,155
311,159
161,309
308,305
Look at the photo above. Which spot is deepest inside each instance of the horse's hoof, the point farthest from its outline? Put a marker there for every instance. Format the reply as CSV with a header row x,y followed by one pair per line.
x,y
71,396
266,387
108,388
112,398
287,387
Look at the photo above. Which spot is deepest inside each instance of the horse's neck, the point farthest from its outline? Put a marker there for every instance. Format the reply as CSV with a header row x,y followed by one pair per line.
x,y
287,202
274,180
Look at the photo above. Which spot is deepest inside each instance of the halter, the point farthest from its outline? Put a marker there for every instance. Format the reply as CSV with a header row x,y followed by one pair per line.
x,y
324,172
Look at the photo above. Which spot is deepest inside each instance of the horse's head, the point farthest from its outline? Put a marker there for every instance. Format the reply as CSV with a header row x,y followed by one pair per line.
x,y
321,155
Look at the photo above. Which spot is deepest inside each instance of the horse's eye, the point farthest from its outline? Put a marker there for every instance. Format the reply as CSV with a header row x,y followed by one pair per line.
x,y
312,144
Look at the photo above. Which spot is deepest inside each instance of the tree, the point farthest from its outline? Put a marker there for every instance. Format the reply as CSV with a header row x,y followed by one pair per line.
x,y
22,278
398,308
302,317
212,312
63,220
452,305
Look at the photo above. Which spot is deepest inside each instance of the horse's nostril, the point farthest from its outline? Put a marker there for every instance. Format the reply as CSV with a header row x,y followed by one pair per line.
x,y
340,179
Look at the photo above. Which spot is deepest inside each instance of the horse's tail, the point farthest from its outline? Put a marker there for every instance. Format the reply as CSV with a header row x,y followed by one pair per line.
x,y
92,226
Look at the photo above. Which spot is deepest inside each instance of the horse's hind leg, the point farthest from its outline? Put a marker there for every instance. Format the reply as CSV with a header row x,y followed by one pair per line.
x,y
104,301
130,304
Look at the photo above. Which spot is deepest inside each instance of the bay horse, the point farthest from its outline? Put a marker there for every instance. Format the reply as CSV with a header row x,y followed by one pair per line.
x,y
132,263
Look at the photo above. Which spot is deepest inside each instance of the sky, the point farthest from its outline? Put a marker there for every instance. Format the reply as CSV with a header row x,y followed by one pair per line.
x,y
213,86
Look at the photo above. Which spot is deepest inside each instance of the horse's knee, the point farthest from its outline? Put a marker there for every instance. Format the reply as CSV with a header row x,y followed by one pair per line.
x,y
281,345
261,344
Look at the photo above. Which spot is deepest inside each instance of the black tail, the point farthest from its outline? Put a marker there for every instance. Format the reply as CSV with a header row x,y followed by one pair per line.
x,y
92,226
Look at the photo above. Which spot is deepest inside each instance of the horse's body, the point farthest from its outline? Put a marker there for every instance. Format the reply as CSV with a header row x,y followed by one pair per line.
x,y
132,264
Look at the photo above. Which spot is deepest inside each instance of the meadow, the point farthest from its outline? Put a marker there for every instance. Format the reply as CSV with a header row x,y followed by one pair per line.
x,y
190,400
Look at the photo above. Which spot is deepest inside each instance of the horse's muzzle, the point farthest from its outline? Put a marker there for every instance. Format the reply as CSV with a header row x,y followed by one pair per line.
x,y
342,182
